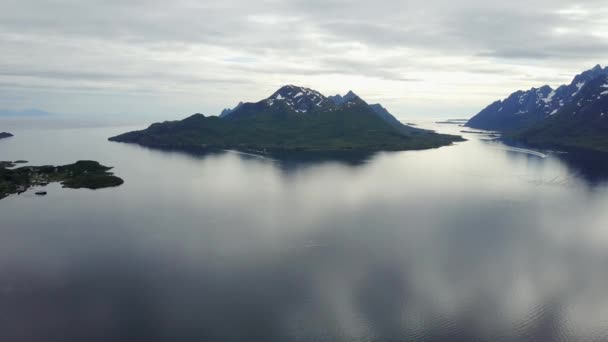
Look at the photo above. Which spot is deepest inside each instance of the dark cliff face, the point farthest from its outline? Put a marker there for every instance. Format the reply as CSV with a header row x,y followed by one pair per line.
x,y
523,109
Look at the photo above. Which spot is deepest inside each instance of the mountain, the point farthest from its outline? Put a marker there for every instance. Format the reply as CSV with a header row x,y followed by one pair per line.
x,y
339,100
388,117
581,123
377,108
570,117
523,109
4,135
292,119
227,111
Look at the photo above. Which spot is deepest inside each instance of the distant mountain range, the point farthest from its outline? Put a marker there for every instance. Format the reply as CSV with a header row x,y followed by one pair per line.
x,y
22,113
292,119
571,116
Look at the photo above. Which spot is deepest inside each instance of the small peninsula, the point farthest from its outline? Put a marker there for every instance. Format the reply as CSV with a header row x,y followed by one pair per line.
x,y
4,135
291,121
82,174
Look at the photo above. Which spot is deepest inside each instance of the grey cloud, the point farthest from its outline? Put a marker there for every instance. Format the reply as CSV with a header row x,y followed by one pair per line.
x,y
156,44
79,75
434,25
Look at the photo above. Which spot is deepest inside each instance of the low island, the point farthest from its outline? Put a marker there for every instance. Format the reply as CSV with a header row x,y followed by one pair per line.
x,y
292,121
4,135
82,174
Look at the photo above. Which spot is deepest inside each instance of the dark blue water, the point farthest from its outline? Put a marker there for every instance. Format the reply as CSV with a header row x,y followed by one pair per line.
x,y
474,242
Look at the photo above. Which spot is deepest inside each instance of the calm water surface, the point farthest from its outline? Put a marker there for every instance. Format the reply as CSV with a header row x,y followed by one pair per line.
x,y
474,242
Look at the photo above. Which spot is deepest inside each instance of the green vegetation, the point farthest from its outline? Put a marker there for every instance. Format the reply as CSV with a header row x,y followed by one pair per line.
x,y
561,135
279,130
82,174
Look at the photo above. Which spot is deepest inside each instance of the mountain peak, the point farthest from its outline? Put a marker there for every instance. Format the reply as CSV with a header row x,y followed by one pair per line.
x,y
340,100
350,96
300,99
228,111
590,74
293,90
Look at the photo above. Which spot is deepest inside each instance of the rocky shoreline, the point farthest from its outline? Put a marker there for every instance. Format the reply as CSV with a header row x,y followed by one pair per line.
x,y
82,174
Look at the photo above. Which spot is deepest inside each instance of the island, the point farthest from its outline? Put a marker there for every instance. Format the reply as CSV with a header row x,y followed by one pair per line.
x,y
82,174
4,135
292,120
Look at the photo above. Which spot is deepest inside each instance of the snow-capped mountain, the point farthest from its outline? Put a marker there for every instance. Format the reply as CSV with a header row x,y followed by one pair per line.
x,y
580,124
523,109
300,99
296,100
289,99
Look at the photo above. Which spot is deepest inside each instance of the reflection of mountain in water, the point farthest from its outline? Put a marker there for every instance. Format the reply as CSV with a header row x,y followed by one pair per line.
x,y
589,166
286,162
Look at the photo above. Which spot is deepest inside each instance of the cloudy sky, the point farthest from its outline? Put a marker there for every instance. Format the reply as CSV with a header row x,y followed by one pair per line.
x,y
169,59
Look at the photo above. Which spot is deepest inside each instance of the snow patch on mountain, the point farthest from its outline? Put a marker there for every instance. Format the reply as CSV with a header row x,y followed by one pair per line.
x,y
549,97
579,86
300,99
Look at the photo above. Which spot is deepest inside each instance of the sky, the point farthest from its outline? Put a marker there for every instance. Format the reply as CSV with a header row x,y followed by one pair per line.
x,y
169,59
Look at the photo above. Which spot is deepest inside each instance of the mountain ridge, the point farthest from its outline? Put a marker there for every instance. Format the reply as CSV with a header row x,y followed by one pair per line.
x,y
580,124
572,115
521,109
302,100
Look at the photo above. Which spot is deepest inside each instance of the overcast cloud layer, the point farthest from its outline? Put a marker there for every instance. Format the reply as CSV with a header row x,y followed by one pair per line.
x,y
172,58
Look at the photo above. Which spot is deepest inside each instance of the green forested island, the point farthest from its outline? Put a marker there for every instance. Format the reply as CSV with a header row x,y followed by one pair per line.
x,y
82,174
292,120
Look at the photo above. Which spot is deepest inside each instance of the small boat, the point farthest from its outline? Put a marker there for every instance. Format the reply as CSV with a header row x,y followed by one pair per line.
x,y
41,193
